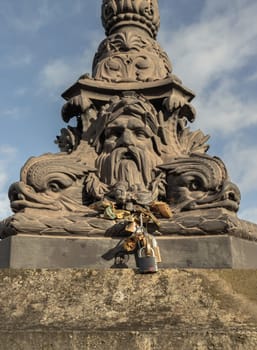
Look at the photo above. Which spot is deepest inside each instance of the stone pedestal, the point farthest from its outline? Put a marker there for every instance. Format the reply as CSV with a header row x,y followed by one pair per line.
x,y
220,251
89,309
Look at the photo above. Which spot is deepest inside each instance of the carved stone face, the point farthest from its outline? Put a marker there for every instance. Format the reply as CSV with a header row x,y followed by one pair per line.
x,y
128,155
127,131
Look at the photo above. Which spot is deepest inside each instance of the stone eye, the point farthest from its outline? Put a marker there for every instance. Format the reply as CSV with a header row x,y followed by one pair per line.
x,y
113,133
140,133
194,185
54,187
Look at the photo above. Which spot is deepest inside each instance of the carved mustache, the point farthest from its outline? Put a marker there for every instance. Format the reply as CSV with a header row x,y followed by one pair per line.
x,y
129,152
134,154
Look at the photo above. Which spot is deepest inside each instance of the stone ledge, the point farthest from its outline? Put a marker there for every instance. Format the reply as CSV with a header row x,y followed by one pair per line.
x,y
149,340
34,251
113,309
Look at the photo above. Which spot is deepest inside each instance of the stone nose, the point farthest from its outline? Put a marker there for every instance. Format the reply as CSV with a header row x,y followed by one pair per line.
x,y
126,138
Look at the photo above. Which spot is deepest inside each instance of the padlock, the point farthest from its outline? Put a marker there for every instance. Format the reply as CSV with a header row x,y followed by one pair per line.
x,y
120,262
131,227
156,249
146,260
130,244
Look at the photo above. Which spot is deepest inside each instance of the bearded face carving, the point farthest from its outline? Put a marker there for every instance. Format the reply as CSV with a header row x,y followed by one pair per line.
x,y
128,154
127,146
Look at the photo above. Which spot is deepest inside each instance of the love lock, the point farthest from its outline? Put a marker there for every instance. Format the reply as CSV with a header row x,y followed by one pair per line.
x,y
120,261
146,260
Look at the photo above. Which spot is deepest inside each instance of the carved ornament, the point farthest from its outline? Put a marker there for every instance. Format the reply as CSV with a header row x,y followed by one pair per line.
x,y
138,13
131,151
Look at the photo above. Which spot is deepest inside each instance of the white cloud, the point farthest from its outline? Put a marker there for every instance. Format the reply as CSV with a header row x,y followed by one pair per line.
x,y
55,74
59,73
5,210
21,91
219,43
249,214
241,161
3,179
7,156
30,16
225,111
210,56
27,16
7,151
12,112
19,60
252,77
216,56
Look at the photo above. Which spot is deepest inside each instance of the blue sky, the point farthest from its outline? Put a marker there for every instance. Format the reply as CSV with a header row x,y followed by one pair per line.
x,y
47,44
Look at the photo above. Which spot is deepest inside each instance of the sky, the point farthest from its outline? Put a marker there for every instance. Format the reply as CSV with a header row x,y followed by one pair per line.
x,y
47,44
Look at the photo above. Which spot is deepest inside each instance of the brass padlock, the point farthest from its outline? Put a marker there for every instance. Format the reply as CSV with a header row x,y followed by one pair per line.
x,y
146,260
156,249
130,244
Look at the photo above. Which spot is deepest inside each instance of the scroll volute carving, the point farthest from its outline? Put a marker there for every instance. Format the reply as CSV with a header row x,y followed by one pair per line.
x,y
200,182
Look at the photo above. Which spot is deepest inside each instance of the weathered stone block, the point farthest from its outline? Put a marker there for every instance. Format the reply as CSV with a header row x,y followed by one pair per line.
x,y
113,309
218,251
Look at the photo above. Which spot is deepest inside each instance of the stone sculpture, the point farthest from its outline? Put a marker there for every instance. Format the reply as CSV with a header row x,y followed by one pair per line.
x,y
132,150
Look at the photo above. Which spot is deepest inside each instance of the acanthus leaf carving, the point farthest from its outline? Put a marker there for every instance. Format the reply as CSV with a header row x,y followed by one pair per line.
x,y
193,141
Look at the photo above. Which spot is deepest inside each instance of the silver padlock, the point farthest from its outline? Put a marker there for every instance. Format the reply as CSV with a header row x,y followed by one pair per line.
x,y
146,260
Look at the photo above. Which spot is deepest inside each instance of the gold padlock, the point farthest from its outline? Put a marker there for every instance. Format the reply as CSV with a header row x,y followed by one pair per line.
x,y
162,208
130,244
131,227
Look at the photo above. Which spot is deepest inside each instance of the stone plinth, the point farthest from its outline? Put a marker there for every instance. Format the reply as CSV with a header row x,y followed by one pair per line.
x,y
89,309
220,251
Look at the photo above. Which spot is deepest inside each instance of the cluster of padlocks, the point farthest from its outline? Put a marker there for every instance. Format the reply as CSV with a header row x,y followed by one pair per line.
x,y
143,246
140,243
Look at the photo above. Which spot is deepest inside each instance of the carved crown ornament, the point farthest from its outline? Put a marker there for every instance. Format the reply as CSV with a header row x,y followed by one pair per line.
x,y
131,152
143,14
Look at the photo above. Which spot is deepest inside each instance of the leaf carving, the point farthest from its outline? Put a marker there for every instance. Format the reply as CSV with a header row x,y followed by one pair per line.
x,y
194,141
